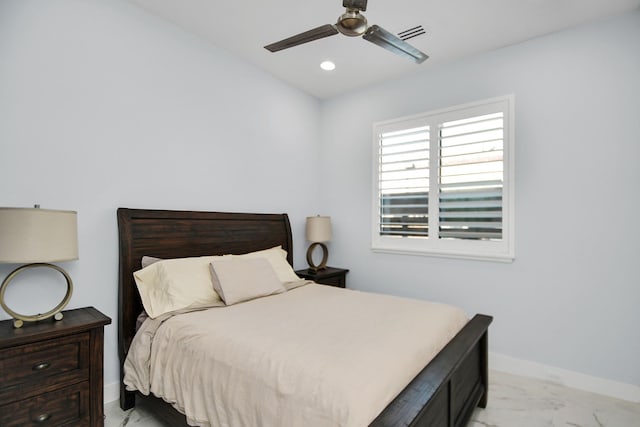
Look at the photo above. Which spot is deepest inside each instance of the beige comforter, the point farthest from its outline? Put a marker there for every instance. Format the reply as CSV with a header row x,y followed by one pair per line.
x,y
312,356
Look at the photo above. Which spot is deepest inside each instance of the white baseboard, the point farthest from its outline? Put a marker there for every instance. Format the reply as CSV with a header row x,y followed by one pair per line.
x,y
111,392
526,368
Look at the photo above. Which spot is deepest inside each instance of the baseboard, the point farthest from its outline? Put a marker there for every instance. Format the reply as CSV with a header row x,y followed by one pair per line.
x,y
526,368
111,392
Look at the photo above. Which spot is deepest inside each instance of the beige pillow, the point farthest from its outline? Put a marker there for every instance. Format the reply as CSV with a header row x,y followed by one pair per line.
x,y
174,284
241,279
277,257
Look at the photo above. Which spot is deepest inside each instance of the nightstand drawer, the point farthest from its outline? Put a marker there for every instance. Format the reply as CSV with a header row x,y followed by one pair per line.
x,y
30,369
65,407
338,281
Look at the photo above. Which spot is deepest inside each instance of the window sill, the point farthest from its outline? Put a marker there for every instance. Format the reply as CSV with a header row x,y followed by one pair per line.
x,y
502,258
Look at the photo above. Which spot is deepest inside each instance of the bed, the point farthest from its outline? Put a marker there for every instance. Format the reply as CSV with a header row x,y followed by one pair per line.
x,y
444,393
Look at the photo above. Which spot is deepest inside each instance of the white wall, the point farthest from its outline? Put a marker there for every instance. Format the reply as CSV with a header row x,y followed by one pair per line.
x,y
103,106
570,300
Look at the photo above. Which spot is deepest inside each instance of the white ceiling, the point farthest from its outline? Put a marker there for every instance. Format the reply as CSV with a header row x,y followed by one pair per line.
x,y
454,28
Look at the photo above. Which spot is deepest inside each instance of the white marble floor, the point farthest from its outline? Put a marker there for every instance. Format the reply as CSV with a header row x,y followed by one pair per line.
x,y
513,402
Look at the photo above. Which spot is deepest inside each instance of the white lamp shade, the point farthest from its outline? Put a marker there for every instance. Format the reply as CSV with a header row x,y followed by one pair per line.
x,y
30,235
319,229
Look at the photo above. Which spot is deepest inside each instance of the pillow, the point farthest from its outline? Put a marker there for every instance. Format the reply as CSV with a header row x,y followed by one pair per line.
x,y
277,257
239,279
174,284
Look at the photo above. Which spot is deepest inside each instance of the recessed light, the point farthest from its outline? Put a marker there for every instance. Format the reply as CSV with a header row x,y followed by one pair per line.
x,y
328,66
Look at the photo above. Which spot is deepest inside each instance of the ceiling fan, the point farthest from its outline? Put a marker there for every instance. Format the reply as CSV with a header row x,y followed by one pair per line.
x,y
352,23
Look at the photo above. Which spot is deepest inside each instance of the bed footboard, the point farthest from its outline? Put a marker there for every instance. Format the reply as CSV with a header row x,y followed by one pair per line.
x,y
443,394
448,389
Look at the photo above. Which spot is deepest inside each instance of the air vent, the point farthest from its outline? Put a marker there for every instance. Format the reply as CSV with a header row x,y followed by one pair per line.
x,y
411,33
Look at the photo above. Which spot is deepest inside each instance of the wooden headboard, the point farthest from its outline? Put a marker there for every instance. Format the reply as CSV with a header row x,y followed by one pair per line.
x,y
177,234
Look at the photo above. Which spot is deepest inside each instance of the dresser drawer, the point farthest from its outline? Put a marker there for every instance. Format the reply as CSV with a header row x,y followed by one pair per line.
x,y
31,369
67,407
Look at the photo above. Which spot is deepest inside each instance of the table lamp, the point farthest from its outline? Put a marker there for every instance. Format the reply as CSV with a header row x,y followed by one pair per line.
x,y
37,237
318,232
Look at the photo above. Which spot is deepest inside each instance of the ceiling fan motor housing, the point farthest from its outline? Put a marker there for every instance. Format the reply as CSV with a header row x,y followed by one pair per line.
x,y
352,23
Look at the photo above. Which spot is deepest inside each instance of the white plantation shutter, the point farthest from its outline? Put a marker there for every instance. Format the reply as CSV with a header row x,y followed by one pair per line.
x,y
404,182
463,158
471,178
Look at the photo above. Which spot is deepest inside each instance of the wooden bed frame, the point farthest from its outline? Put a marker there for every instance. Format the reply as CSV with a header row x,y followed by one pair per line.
x,y
444,393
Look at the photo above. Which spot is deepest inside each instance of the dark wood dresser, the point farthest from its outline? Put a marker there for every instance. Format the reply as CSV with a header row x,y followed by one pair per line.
x,y
51,371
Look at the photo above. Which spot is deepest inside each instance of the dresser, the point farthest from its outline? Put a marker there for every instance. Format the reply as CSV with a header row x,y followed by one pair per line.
x,y
51,371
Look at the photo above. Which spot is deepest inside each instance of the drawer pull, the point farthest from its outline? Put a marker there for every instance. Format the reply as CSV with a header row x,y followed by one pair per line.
x,y
41,418
41,366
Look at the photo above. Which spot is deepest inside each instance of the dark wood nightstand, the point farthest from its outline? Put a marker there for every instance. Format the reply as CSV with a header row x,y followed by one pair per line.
x,y
329,276
51,371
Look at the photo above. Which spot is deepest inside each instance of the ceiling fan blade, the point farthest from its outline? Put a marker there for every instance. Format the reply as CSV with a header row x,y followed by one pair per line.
x,y
308,36
383,38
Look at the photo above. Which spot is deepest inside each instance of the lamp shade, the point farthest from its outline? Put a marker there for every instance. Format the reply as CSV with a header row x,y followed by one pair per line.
x,y
319,229
31,235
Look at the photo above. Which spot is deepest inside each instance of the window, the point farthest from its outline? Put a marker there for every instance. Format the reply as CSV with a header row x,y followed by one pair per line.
x,y
443,182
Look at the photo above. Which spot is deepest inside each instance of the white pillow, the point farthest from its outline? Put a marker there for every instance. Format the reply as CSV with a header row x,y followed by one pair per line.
x,y
239,279
174,284
277,257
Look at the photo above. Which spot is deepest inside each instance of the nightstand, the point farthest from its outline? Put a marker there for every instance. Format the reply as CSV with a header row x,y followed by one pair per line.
x,y
328,276
51,371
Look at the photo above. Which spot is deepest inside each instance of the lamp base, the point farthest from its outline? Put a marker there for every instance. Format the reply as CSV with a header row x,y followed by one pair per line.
x,y
325,256
19,319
